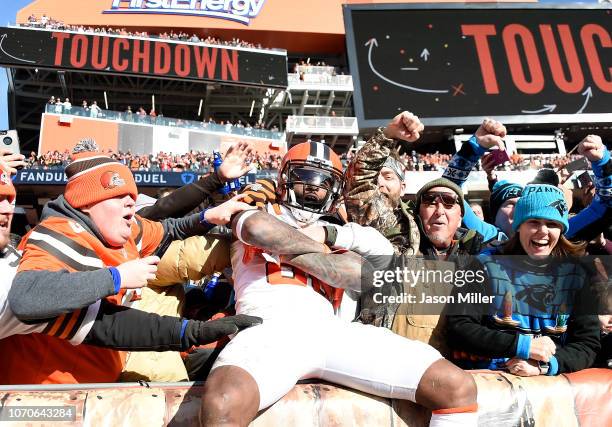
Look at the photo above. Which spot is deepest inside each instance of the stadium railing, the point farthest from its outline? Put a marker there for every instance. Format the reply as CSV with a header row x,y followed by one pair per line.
x,y
322,125
314,69
164,121
320,81
103,32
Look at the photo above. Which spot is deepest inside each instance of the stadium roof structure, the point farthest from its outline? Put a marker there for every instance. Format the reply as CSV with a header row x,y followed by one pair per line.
x,y
295,33
271,23
373,79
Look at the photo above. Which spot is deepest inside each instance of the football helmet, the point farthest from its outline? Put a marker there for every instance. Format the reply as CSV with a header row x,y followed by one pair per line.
x,y
310,181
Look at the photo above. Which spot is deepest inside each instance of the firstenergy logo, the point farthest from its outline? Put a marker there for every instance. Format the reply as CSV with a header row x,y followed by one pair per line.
x,y
235,10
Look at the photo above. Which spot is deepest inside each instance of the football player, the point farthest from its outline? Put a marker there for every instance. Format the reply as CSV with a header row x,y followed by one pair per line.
x,y
290,266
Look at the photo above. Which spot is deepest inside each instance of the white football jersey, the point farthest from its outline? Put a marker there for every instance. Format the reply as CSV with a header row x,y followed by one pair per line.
x,y
268,289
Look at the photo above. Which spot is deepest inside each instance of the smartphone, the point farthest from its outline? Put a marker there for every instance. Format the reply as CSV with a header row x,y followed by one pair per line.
x,y
576,165
585,179
500,156
10,141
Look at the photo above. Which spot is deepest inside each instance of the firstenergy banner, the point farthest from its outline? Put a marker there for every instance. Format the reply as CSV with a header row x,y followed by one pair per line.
x,y
137,56
234,10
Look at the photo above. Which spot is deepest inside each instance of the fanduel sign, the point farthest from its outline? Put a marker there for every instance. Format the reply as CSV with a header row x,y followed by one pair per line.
x,y
235,10
142,178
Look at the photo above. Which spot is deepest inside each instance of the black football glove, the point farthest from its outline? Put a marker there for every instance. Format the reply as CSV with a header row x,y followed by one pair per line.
x,y
199,333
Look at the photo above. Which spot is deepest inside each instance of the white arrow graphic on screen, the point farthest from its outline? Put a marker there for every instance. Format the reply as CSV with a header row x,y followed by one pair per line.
x,y
547,107
2,38
374,42
425,54
589,94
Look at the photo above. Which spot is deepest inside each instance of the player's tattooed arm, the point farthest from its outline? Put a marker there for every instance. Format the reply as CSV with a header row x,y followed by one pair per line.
x,y
270,234
341,270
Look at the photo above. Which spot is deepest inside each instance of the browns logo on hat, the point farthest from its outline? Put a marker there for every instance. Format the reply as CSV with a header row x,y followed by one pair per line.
x,y
6,185
94,177
110,180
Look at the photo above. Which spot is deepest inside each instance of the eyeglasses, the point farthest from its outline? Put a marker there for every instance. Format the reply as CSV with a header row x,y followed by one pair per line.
x,y
448,200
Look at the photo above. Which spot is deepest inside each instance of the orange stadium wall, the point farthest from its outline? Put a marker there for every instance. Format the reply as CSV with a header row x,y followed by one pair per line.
x,y
55,135
319,22
63,132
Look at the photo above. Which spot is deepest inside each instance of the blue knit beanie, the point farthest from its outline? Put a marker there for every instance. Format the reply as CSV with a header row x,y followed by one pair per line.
x,y
502,191
541,201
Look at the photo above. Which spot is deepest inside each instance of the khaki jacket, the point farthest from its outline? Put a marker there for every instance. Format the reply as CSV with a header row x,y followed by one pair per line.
x,y
185,260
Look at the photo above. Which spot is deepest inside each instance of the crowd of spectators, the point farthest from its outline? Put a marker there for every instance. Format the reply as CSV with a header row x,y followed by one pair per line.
x,y
198,161
316,72
539,221
56,105
193,161
518,162
53,24
426,162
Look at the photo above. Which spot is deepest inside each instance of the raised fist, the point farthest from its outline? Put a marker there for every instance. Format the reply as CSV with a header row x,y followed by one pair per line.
x,y
491,141
592,148
405,126
491,127
490,134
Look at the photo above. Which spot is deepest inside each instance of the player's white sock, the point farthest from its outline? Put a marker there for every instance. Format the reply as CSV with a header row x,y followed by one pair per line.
x,y
455,417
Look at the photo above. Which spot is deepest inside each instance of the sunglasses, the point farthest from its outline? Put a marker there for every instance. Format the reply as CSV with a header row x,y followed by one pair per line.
x,y
448,200
312,177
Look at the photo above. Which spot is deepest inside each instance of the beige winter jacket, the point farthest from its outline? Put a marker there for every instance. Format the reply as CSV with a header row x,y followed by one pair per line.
x,y
185,260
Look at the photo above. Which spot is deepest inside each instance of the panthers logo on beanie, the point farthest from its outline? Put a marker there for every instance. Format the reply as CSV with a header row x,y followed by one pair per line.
x,y
560,206
110,180
541,201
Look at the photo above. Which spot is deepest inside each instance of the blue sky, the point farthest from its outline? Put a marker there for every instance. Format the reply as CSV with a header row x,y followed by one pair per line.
x,y
8,12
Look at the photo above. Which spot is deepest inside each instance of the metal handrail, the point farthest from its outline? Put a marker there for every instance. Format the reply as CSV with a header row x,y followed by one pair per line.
x,y
98,113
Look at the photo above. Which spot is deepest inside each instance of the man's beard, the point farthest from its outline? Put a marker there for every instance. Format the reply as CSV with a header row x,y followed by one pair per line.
x,y
436,239
391,200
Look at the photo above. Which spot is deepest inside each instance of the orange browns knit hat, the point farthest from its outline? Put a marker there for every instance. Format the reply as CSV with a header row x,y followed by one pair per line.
x,y
94,177
6,185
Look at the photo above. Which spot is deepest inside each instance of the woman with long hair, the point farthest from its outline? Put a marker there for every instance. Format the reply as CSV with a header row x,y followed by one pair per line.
x,y
535,319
